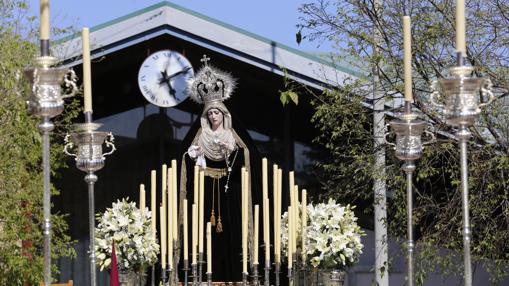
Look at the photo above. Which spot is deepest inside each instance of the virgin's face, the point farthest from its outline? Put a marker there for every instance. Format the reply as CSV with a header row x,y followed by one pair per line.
x,y
215,118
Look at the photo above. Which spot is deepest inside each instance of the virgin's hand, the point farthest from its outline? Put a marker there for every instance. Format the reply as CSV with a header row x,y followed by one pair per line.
x,y
194,151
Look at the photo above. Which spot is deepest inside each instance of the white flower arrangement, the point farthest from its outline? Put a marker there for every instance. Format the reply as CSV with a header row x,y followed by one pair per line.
x,y
333,235
135,246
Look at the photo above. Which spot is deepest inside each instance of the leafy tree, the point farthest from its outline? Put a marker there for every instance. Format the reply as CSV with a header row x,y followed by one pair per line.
x,y
21,212
346,126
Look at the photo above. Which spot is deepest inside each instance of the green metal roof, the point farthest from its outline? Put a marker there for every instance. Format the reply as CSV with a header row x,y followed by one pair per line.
x,y
344,69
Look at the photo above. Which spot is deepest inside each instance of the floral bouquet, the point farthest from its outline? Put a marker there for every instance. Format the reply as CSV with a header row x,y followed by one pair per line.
x,y
333,238
131,230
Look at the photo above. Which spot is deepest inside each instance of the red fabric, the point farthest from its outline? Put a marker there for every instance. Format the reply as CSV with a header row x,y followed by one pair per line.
x,y
114,269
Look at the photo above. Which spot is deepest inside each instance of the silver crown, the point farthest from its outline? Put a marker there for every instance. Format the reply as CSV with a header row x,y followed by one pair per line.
x,y
211,84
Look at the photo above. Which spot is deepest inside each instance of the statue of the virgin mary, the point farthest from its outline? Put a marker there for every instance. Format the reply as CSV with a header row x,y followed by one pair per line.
x,y
220,152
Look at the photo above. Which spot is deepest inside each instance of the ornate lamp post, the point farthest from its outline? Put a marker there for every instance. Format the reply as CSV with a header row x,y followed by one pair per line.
x,y
462,107
46,102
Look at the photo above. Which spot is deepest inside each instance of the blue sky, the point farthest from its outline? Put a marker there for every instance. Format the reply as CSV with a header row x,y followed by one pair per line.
x,y
273,19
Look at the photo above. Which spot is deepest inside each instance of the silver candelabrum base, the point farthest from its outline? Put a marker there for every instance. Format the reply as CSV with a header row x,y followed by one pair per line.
x,y
461,92
462,106
409,147
90,158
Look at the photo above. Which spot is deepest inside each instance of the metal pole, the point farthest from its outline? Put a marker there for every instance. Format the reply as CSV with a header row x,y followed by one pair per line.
x,y
45,128
163,274
277,271
244,278
186,272
409,168
209,279
267,272
195,274
255,275
170,275
175,276
295,269
464,135
91,178
152,277
200,267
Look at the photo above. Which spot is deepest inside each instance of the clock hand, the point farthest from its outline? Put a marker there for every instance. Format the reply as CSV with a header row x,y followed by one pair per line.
x,y
172,91
185,70
166,79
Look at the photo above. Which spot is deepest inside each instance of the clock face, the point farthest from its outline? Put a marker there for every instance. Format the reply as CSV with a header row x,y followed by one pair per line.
x,y
163,78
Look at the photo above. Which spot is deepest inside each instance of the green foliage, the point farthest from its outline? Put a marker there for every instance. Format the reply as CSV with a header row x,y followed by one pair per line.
x,y
346,126
21,214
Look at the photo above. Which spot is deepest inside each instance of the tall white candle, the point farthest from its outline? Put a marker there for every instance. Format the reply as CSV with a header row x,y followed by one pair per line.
x,y
295,216
460,27
291,182
209,247
279,198
265,211
153,201
162,215
304,224
244,219
194,244
44,21
186,250
170,219
256,230
174,199
290,237
265,184
87,74
291,189
164,173
142,199
196,184
274,207
407,62
266,230
201,210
